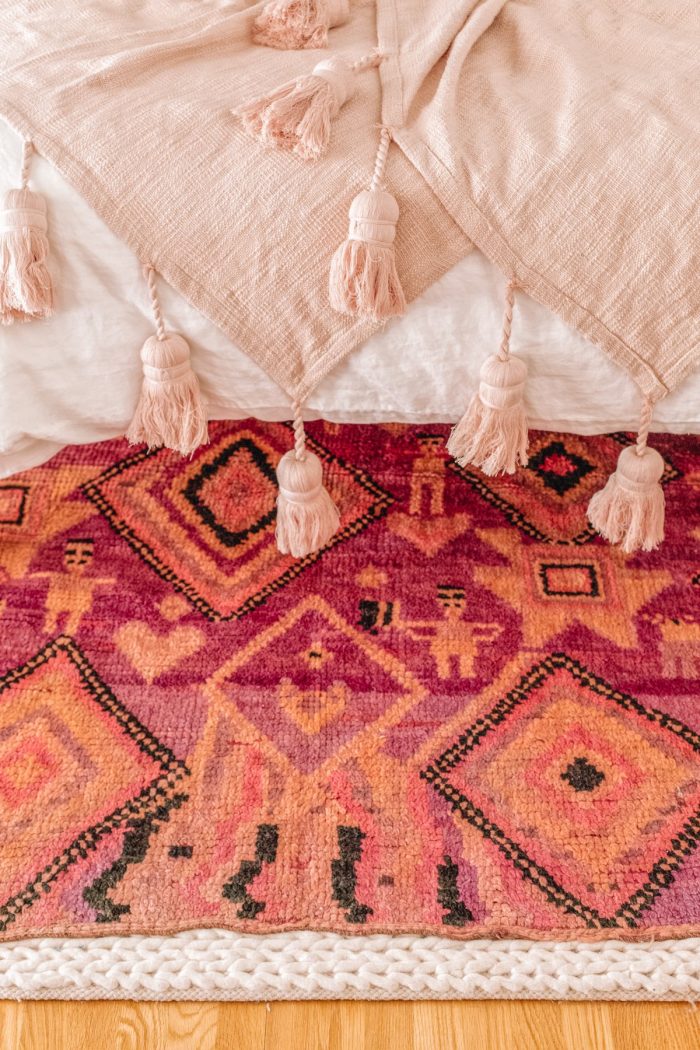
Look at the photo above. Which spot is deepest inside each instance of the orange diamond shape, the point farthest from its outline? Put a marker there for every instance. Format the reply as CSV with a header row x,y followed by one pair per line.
x,y
207,524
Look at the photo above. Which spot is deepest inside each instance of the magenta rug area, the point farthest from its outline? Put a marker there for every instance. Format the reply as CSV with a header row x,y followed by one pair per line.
x,y
467,717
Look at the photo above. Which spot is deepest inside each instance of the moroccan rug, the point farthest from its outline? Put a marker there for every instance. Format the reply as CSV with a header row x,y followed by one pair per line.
x,y
456,753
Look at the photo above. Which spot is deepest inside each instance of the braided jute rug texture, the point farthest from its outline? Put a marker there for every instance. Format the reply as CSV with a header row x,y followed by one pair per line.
x,y
457,754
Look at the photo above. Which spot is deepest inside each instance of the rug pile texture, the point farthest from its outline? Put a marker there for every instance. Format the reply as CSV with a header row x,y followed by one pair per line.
x,y
467,718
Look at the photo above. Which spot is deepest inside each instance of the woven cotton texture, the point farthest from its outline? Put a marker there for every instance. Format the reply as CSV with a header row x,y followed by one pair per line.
x,y
539,130
567,156
467,717
141,122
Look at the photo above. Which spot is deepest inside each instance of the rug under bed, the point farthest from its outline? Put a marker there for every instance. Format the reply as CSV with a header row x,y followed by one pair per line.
x,y
456,753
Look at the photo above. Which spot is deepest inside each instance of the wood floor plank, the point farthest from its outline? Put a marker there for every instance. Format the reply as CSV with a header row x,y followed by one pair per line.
x,y
674,1026
349,1026
300,1026
587,1025
392,1026
239,1026
522,1025
11,1021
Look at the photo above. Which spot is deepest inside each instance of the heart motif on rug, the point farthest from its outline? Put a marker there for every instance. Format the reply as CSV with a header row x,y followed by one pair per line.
x,y
153,654
429,535
312,709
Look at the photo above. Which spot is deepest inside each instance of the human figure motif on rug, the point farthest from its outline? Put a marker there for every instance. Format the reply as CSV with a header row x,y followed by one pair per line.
x,y
71,590
453,639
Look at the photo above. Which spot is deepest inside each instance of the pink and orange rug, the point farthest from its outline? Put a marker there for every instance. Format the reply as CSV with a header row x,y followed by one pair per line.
x,y
468,719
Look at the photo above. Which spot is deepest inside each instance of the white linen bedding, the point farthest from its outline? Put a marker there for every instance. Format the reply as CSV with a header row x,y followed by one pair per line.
x,y
75,378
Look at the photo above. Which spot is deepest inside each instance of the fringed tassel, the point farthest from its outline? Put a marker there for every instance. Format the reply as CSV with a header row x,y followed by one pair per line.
x,y
492,434
26,291
170,411
307,517
363,280
298,24
297,116
630,510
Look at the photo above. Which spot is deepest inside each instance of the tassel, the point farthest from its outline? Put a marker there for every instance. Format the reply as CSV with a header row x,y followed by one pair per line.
x,y
492,434
363,280
26,291
297,116
299,24
170,411
307,517
630,510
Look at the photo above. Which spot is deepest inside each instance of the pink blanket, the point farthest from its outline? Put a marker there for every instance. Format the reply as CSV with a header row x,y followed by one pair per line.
x,y
561,136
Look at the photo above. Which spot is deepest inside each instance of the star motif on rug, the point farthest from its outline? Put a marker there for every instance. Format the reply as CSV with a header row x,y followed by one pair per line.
x,y
593,797
552,587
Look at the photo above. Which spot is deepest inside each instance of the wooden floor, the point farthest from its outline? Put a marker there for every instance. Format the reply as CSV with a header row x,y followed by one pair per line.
x,y
349,1026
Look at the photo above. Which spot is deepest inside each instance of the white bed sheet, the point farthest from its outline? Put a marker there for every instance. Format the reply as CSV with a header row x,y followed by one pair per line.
x,y
75,377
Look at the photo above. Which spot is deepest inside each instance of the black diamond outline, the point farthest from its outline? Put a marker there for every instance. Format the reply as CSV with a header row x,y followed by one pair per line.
x,y
146,553
683,842
193,488
567,481
148,799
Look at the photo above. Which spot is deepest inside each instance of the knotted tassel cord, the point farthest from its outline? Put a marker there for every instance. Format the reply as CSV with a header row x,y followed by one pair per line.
x,y
630,510
377,182
150,275
170,411
493,433
363,280
644,425
503,352
299,432
27,152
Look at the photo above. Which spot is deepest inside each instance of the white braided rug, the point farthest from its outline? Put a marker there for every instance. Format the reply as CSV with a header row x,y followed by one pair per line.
x,y
218,965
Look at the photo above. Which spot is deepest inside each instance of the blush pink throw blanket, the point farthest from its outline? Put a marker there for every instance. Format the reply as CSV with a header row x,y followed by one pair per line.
x,y
560,136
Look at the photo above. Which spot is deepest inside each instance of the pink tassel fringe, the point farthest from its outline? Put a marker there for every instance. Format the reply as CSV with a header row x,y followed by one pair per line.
x,y
26,291
299,24
307,517
297,117
363,279
170,411
493,432
630,510
489,436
